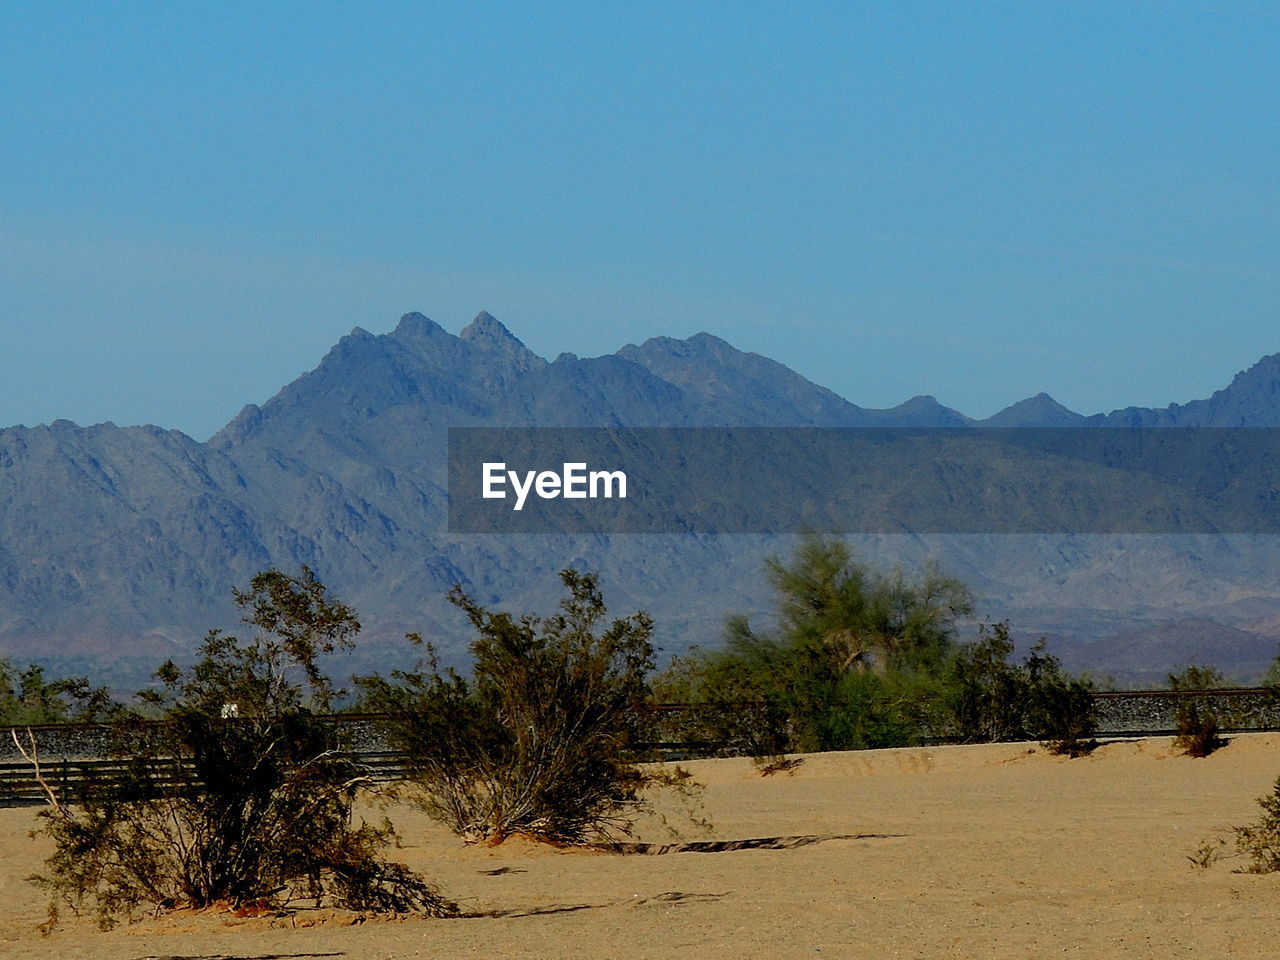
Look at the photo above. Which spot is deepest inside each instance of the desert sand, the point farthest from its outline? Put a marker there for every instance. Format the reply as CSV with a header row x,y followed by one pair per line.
x,y
997,851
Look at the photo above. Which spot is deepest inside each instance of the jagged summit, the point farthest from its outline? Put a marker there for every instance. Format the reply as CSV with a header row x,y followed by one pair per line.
x,y
344,470
1252,399
486,332
701,343
486,329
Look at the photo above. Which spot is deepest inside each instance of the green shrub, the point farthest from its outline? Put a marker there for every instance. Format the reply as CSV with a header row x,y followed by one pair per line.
x,y
1065,717
862,659
989,696
853,662
1062,712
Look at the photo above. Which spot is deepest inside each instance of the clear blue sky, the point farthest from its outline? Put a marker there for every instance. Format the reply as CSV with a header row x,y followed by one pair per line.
x,y
979,200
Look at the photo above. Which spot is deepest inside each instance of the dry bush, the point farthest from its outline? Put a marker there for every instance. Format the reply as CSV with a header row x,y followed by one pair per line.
x,y
1197,717
991,698
1063,712
538,741
249,810
1258,842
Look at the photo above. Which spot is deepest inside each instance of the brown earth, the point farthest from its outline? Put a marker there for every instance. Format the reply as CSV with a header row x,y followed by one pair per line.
x,y
997,851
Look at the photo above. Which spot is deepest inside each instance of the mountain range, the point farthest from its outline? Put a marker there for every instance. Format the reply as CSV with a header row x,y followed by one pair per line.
x,y
119,546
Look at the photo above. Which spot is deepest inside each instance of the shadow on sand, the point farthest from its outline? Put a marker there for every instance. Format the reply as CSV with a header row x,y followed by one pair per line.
x,y
675,896
672,896
726,846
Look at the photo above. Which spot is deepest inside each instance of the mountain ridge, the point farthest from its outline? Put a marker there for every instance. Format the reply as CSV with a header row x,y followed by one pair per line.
x,y
130,538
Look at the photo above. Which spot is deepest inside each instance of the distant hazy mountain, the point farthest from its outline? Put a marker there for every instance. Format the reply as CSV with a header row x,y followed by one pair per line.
x,y
1038,411
119,545
1251,400
1147,655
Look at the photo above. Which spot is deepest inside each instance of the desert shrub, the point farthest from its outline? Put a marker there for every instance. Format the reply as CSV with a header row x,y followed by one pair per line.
x,y
862,659
1260,841
28,697
1270,683
758,700
1270,679
988,696
853,661
1196,718
991,698
869,710
1063,713
240,796
537,741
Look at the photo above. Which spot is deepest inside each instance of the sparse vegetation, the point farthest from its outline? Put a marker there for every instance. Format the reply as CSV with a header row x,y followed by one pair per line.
x,y
1197,717
1257,842
240,796
537,741
1260,841
991,698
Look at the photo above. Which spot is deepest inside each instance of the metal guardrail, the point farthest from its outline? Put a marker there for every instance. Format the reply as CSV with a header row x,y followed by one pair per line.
x,y
20,786
68,769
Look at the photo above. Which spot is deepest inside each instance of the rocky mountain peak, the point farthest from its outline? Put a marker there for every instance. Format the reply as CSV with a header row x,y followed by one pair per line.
x,y
488,330
1252,399
487,333
416,324
1261,382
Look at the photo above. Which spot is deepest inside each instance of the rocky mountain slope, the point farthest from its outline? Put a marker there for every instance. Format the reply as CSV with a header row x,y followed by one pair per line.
x,y
118,545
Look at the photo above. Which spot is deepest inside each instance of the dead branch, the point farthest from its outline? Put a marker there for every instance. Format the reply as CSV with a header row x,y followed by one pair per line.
x,y
32,757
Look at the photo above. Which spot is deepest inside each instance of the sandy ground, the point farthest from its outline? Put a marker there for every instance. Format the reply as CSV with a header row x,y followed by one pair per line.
x,y
981,851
